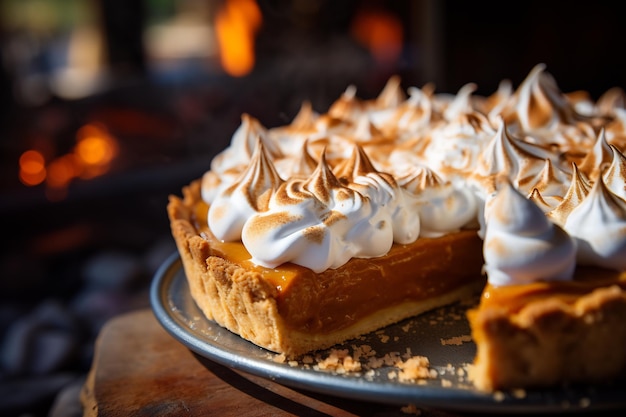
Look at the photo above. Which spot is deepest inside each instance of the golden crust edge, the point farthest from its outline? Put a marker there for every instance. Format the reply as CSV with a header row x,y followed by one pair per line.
x,y
550,342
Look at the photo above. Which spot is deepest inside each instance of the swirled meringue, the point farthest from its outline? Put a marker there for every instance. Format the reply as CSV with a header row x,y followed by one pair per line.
x,y
443,208
509,156
242,146
552,182
250,194
615,175
599,225
317,223
540,110
290,138
521,245
598,158
493,105
615,130
381,188
411,118
578,189
455,146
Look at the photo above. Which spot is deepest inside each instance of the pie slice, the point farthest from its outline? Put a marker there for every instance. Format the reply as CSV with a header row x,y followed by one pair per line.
x,y
544,318
549,333
292,310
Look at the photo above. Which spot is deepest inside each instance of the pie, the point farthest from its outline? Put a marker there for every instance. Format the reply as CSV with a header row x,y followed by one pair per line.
x,y
303,236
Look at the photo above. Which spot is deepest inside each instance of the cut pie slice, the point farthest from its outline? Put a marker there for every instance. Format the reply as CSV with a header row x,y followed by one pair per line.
x,y
545,319
548,333
293,310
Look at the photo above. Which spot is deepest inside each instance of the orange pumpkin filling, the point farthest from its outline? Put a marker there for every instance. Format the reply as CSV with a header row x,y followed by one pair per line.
x,y
337,298
514,297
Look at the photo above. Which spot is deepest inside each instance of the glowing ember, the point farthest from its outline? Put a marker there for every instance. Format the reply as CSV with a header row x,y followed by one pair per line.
x,y
92,155
32,168
95,149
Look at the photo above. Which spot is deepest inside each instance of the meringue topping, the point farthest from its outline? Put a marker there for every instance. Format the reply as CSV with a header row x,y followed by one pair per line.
x,y
598,224
317,223
578,189
615,175
368,174
598,158
235,203
521,245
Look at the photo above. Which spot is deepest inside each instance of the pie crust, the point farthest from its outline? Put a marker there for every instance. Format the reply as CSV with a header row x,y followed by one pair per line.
x,y
550,333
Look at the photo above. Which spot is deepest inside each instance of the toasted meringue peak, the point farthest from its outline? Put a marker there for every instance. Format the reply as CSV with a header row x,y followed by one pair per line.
x,y
327,125
365,130
539,103
259,179
454,147
243,144
292,138
540,110
599,225
536,197
305,118
598,158
421,178
301,164
462,103
521,245
250,194
409,118
391,95
551,181
508,155
578,189
322,180
443,208
615,175
493,105
348,106
358,164
611,99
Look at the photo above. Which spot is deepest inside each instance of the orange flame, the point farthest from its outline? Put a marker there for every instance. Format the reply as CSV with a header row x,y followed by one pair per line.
x,y
94,150
380,32
236,24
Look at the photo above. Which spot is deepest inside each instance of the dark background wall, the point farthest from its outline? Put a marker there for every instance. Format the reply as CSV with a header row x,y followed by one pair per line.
x,y
581,42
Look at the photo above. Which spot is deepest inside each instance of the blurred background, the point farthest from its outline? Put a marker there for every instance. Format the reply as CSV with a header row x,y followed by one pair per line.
x,y
107,107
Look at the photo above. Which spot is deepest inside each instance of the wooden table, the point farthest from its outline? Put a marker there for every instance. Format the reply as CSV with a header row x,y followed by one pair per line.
x,y
140,370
